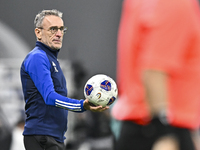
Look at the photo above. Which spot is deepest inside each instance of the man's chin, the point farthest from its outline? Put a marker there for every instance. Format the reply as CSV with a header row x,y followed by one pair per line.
x,y
56,47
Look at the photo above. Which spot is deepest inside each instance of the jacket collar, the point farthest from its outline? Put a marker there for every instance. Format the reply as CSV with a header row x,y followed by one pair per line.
x,y
47,49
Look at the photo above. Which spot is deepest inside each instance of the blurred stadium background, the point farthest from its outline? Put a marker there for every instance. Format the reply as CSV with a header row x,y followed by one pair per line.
x,y
92,29
89,48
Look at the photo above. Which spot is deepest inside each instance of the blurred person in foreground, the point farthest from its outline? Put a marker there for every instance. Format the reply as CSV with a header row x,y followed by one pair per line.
x,y
158,74
44,87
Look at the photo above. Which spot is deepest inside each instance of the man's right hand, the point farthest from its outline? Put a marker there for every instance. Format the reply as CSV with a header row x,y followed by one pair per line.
x,y
87,105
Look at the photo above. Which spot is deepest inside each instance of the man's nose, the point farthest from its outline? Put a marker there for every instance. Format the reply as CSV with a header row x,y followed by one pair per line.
x,y
59,33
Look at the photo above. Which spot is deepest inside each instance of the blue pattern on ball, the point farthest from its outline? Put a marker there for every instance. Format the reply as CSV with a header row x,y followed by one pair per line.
x,y
106,85
88,89
111,100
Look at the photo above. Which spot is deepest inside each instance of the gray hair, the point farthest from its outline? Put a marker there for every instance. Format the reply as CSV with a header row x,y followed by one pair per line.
x,y
40,16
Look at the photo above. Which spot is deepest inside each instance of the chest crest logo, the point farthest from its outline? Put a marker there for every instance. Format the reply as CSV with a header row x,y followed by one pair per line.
x,y
54,65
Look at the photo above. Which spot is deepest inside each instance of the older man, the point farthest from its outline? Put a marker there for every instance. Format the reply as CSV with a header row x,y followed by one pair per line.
x,y
44,87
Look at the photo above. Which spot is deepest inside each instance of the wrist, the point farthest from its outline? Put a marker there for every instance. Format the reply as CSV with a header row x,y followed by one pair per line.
x,y
82,105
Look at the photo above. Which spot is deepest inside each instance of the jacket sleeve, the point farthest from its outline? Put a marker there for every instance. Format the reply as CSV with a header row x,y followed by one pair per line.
x,y
38,67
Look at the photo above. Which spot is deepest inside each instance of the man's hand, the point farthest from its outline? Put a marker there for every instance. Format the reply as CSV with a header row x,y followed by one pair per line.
x,y
87,105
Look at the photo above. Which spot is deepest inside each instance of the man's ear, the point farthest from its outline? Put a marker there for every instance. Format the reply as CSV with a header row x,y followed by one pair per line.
x,y
38,33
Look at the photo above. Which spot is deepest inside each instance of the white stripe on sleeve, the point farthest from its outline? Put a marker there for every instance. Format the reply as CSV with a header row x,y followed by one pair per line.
x,y
69,106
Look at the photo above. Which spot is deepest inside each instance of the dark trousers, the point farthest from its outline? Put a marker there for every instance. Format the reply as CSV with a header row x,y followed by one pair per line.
x,y
139,137
42,142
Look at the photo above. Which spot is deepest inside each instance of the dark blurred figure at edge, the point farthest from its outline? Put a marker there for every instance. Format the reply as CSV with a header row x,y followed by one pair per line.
x,y
5,132
158,74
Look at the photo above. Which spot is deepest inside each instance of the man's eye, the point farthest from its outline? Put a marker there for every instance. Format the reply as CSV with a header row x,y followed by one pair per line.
x,y
53,28
61,28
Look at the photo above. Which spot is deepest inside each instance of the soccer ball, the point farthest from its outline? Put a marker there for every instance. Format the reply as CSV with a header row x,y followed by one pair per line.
x,y
101,90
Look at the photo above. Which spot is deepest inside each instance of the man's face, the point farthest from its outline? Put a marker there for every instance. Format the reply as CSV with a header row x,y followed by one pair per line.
x,y
46,35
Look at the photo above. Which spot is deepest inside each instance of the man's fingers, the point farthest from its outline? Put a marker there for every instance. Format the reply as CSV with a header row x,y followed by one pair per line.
x,y
99,108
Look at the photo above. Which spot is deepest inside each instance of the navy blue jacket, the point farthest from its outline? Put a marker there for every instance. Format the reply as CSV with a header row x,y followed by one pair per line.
x,y
45,94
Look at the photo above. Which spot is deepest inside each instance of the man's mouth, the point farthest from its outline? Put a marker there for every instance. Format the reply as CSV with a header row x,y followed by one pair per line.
x,y
57,41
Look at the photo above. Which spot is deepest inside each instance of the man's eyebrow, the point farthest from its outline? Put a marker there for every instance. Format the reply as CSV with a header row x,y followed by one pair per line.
x,y
56,27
